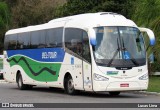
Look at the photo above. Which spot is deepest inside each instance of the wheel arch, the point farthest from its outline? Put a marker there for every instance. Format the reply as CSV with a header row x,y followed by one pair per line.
x,y
65,77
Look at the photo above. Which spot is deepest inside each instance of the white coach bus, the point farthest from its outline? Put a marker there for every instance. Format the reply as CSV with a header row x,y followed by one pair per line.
x,y
89,52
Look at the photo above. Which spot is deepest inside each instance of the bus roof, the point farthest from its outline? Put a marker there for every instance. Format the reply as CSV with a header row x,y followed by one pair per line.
x,y
88,20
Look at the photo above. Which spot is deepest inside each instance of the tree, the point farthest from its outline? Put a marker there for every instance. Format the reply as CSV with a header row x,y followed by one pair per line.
x,y
73,7
147,15
4,22
10,3
33,12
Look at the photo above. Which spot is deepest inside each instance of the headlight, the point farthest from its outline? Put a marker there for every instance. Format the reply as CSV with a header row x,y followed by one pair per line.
x,y
144,77
98,77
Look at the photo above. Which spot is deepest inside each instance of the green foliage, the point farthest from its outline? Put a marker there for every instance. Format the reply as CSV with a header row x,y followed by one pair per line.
x,y
73,7
147,10
155,67
147,15
4,16
33,12
154,85
10,3
4,22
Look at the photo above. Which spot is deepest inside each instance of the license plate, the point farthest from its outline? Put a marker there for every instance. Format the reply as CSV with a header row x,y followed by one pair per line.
x,y
124,85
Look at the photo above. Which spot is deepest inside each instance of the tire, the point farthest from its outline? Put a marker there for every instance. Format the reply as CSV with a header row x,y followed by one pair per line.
x,y
114,93
20,84
1,76
69,86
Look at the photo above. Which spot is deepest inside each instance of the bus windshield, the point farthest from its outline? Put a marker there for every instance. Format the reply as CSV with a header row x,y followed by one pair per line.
x,y
119,46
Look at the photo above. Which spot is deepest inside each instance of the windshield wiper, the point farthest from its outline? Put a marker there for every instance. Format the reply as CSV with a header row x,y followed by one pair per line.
x,y
132,58
118,49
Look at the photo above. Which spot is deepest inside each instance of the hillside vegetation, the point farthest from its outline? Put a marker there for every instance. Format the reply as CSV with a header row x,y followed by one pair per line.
x,y
21,13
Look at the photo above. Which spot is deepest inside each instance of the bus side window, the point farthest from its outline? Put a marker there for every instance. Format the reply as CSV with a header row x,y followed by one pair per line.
x,y
38,39
73,40
34,39
11,42
54,37
20,41
86,49
23,41
42,37
6,42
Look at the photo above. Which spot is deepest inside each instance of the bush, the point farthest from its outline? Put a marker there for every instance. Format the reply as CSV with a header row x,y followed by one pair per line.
x,y
155,67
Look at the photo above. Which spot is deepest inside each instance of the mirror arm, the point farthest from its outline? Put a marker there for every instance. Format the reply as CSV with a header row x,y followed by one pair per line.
x,y
150,35
93,47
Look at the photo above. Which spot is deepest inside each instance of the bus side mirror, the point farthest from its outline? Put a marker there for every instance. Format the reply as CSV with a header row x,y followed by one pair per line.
x,y
92,36
150,34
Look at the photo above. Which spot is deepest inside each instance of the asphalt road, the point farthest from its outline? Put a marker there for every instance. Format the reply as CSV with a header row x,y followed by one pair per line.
x,y
9,93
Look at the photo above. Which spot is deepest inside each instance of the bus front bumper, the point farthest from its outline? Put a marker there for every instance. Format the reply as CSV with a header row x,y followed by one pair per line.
x,y
120,85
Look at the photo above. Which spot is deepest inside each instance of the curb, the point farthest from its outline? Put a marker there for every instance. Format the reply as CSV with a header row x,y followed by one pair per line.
x,y
147,93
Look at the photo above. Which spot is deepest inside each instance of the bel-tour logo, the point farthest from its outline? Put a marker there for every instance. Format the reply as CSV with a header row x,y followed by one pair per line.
x,y
49,55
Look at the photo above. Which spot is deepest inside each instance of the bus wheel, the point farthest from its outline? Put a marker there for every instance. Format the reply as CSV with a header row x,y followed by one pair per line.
x,y
114,93
69,86
20,84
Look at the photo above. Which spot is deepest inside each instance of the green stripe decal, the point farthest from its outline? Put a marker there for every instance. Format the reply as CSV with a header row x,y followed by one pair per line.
x,y
44,72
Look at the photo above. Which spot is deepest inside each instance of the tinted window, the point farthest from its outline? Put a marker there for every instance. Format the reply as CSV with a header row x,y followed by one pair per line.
x,y
86,49
73,40
54,37
10,42
42,39
38,39
23,41
6,42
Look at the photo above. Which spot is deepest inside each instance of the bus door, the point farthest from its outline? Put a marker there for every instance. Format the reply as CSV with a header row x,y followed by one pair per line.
x,y
86,64
73,48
